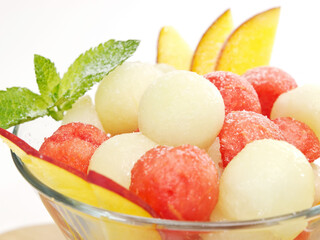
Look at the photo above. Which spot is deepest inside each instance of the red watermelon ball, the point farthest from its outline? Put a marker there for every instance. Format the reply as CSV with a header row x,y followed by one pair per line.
x,y
300,135
237,93
179,183
243,127
74,144
269,82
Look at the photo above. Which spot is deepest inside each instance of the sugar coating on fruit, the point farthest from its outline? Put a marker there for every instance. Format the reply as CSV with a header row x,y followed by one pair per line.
x,y
241,128
267,178
214,152
269,82
300,135
178,183
181,107
237,93
316,171
74,144
302,104
165,68
118,96
83,110
115,158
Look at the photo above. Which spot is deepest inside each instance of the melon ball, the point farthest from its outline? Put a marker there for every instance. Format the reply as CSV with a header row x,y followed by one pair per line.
x,y
74,144
181,107
302,104
83,110
269,83
267,178
215,155
240,235
179,183
237,93
165,68
263,233
316,171
118,96
116,157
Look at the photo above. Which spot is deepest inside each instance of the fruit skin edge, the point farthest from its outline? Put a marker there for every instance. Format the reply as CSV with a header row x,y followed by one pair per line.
x,y
31,157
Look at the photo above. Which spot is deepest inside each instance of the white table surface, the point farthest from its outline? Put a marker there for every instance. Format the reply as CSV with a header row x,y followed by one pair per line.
x,y
62,29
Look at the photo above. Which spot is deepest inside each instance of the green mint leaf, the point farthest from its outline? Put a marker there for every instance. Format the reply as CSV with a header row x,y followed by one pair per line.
x,y
47,78
90,67
18,105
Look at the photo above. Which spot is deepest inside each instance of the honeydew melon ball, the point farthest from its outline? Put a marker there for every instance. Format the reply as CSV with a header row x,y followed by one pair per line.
x,y
316,171
267,178
115,157
165,68
257,233
215,155
240,235
302,104
83,110
118,96
181,107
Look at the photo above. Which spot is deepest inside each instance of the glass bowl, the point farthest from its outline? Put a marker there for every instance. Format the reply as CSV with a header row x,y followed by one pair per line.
x,y
81,221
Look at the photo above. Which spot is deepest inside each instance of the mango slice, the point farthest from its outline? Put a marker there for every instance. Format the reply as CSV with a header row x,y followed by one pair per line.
x,y
250,45
208,49
74,184
173,49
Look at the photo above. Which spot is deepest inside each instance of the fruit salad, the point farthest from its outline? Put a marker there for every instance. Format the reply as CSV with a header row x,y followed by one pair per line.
x,y
197,136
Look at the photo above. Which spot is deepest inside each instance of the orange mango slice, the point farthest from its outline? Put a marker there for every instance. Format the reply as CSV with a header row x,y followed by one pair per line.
x,y
250,45
173,49
94,189
208,49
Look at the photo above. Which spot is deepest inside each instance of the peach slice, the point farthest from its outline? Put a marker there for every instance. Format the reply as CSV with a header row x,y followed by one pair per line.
x,y
74,184
208,49
250,45
173,49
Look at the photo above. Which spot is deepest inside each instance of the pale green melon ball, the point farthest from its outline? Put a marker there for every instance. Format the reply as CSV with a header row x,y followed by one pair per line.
x,y
260,234
316,171
181,107
215,155
118,96
83,110
302,104
263,233
165,68
115,157
267,178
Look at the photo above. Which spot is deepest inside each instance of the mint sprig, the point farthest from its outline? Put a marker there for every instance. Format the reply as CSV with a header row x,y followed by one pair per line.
x,y
18,105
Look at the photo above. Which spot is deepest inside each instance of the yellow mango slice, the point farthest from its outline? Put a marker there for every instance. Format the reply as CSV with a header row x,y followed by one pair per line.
x,y
208,49
73,183
250,45
173,49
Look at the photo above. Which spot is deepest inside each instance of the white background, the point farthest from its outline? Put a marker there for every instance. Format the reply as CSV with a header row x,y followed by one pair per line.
x,y
62,29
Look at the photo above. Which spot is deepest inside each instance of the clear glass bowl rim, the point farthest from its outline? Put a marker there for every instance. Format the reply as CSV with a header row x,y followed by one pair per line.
x,y
308,214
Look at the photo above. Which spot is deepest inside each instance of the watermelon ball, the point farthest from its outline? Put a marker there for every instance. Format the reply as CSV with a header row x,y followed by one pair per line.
x,y
269,83
237,93
179,183
243,127
74,144
300,135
